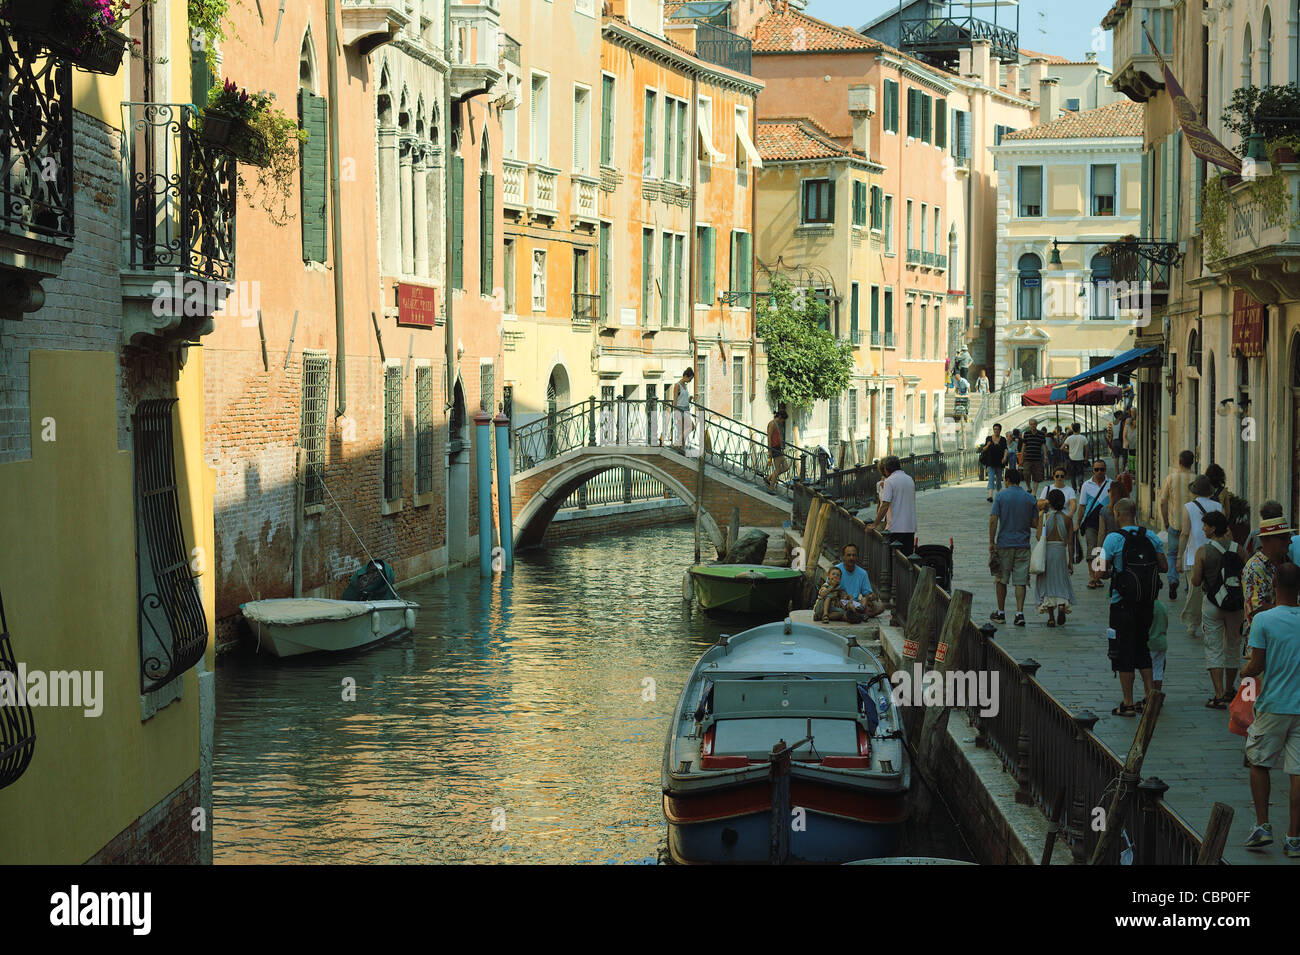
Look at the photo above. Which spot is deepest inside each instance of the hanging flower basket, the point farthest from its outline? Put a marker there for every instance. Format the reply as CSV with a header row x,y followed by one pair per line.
x,y
74,30
101,53
235,137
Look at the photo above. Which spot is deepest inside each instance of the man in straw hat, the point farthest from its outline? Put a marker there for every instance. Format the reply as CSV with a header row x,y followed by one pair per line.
x,y
1257,576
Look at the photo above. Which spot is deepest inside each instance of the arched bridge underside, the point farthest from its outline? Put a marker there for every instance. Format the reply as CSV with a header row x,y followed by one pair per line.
x,y
537,493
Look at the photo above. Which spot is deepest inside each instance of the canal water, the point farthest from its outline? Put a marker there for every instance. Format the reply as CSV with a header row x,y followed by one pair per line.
x,y
521,723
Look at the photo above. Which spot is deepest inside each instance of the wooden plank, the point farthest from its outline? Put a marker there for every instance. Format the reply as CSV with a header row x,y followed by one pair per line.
x,y
813,554
1216,835
1129,776
954,628
1057,817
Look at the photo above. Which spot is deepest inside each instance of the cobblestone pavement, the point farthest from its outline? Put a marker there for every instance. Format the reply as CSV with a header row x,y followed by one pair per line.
x,y
1192,749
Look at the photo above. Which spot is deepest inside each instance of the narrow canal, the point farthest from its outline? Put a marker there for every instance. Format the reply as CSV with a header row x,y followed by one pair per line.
x,y
520,724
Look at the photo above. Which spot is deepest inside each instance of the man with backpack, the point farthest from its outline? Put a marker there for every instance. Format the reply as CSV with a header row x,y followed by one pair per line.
x,y
1136,558
1217,570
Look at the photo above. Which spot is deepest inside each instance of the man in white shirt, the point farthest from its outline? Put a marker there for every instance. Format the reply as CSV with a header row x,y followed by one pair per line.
x,y
1175,494
897,510
1191,538
1077,446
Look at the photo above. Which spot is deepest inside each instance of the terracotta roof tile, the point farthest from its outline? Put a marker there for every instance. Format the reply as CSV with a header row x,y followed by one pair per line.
x,y
1124,118
796,138
788,31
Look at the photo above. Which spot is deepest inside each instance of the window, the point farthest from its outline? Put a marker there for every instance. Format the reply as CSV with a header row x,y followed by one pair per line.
x,y
1072,104
1103,302
853,312
927,106
924,210
937,332
1103,190
702,380
508,267
910,244
539,280
941,123
457,256
679,252
742,246
705,250
1031,290
1247,52
961,137
875,314
313,175
914,97
581,272
744,158
581,129
486,219
908,329
1029,190
510,133
853,409
607,120
833,424
315,408
424,429
648,155
665,278
925,329
860,202
392,432
877,209
606,258
539,119
683,171
937,222
921,419
1266,49
889,117
647,273
818,200
889,224
889,407
738,387
889,318
674,130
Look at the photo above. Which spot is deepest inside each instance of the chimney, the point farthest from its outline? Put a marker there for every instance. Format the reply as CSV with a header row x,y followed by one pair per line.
x,y
979,62
862,106
1049,99
1091,56
963,62
1013,77
1037,73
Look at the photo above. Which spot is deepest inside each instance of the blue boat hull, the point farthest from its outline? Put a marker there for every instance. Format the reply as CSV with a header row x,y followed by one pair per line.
x,y
746,839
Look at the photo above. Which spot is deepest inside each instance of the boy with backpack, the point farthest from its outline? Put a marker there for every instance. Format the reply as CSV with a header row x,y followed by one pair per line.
x,y
1136,558
1218,572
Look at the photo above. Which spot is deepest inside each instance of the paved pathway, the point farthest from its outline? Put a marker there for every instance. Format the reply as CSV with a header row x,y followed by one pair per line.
x,y
1192,749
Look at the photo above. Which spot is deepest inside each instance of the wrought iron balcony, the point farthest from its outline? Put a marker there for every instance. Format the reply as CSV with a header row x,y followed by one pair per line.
x,y
179,221
36,172
914,256
939,40
875,338
586,308
1140,271
855,336
510,51
889,338
723,48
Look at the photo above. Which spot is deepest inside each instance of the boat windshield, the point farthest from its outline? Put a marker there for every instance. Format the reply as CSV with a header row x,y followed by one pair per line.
x,y
756,737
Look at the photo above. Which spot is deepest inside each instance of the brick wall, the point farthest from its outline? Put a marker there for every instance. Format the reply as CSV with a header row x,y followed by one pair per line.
x,y
162,836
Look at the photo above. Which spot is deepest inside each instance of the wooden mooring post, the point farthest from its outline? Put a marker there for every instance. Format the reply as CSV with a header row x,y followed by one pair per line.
x,y
934,719
1216,835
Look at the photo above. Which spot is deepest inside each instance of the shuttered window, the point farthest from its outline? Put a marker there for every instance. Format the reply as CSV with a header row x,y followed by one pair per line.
x,y
705,249
665,278
859,203
679,250
607,120
927,105
581,129
875,314
648,154
486,205
311,114
963,133
647,273
457,222
877,209
604,269
853,313
941,123
741,248
200,77
890,118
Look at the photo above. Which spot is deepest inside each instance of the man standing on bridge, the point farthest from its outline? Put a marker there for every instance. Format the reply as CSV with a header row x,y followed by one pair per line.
x,y
776,448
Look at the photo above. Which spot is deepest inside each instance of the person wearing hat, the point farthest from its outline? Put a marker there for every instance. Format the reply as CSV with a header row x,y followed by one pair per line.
x,y
1191,538
1257,576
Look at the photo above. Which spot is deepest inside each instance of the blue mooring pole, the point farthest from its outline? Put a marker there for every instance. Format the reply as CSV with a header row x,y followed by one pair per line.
x,y
504,519
483,455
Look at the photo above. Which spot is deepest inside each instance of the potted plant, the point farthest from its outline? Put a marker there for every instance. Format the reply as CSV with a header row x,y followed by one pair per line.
x,y
1271,110
230,120
85,32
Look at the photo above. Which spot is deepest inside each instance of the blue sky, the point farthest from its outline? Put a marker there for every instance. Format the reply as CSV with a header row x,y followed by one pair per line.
x,y
1047,26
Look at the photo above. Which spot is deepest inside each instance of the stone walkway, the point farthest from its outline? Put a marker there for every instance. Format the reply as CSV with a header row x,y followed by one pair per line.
x,y
1192,750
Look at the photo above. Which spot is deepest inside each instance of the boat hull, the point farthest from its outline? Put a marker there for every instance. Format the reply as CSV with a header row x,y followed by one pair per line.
x,y
769,594
382,619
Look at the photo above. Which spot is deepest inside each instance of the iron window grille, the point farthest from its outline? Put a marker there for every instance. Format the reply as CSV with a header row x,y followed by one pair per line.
x,y
486,389
173,629
392,432
424,431
17,726
315,400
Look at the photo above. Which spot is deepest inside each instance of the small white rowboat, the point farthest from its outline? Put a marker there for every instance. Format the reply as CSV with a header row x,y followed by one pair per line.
x,y
296,625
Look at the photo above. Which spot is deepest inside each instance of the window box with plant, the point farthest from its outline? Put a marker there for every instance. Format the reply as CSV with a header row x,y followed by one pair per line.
x,y
86,33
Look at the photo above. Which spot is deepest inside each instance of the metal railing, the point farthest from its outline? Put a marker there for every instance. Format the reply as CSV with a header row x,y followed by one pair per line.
x,y
1046,747
875,338
586,307
915,256
715,45
730,446
889,338
181,208
510,49
36,190
617,486
942,35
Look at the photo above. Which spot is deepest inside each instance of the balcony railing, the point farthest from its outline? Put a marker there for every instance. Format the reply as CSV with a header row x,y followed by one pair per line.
x,y
586,308
942,37
181,209
875,338
856,337
889,338
723,48
510,51
914,256
544,199
582,197
36,191
514,183
1139,272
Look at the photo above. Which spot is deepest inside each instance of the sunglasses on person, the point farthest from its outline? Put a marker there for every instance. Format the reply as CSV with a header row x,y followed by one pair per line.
x,y
1099,470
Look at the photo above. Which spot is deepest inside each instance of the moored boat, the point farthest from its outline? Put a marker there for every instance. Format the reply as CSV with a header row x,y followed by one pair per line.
x,y
745,588
785,747
295,625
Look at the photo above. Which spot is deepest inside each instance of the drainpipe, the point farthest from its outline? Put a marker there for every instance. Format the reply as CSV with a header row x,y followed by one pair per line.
x,y
695,164
449,340
336,212
753,244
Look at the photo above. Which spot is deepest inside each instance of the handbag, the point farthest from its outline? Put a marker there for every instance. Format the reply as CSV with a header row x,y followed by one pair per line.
x,y
1038,556
1241,711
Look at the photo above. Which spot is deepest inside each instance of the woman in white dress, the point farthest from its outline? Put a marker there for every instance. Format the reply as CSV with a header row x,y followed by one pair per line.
x,y
1054,590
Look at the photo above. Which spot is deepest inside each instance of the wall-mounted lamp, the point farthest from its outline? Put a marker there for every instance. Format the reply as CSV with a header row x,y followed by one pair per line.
x,y
1227,406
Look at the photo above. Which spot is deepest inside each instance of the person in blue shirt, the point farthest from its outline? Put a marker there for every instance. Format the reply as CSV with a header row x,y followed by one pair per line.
x,y
1013,516
1132,624
855,583
1293,549
1275,659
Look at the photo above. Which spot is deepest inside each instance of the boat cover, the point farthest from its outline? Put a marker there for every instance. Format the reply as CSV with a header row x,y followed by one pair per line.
x,y
294,611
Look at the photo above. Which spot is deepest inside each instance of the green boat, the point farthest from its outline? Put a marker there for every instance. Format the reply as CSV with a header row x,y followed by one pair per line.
x,y
745,588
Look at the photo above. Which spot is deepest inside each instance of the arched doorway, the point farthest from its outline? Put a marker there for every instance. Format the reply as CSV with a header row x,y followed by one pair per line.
x,y
557,399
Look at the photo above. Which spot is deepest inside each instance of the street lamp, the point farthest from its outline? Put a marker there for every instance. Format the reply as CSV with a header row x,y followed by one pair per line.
x,y
1257,153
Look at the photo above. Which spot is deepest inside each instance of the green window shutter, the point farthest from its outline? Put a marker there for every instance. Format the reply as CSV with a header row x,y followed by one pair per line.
x,y
708,281
487,203
941,123
606,120
853,311
926,107
893,106
457,221
647,273
665,278
311,112
747,266
875,312
200,77
734,275
649,147
830,200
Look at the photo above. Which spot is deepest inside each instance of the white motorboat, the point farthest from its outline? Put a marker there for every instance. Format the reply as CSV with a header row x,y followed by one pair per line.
x,y
292,626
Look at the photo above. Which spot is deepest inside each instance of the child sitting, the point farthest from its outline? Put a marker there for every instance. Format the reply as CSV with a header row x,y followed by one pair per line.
x,y
834,603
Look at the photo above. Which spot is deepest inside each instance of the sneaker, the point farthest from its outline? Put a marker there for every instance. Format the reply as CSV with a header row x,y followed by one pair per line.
x,y
1261,837
1291,848
1020,620
998,616
1173,591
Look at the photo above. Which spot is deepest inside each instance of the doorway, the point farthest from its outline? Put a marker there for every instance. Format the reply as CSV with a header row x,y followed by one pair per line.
x,y
458,549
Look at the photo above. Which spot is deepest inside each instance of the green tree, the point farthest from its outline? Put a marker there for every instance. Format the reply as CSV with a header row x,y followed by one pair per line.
x,y
805,361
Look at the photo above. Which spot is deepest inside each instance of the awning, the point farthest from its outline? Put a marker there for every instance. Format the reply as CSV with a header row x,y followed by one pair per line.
x,y
705,124
1116,366
747,144
1089,393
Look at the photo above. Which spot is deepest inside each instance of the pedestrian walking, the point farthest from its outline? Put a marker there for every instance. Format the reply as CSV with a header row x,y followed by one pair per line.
x,y
1136,559
1013,516
1076,446
993,455
1115,435
961,385
982,383
1094,497
1257,577
1217,570
897,509
1058,483
1033,452
1275,733
776,448
1053,589
1269,510
1175,493
1236,508
1013,449
682,410
1191,538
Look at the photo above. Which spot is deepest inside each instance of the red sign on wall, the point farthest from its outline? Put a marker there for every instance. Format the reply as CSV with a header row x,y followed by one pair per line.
x,y
1247,325
417,305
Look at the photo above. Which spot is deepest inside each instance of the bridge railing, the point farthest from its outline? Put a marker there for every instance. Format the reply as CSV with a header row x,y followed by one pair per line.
x,y
728,445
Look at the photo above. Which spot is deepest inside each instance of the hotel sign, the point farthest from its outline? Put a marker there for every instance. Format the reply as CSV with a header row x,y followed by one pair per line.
x,y
417,305
1247,325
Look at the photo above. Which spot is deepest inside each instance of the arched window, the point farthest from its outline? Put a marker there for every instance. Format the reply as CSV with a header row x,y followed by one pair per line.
x,y
307,64
1266,49
1247,52
1031,287
1103,299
